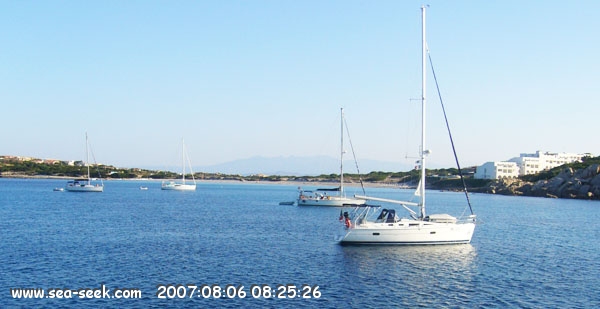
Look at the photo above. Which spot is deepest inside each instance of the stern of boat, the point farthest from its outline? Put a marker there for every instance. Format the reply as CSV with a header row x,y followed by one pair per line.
x,y
340,235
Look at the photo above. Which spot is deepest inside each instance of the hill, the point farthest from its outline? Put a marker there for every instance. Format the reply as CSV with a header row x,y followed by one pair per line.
x,y
298,166
576,180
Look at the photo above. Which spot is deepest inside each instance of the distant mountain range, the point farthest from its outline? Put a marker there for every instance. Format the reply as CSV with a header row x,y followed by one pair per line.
x,y
299,166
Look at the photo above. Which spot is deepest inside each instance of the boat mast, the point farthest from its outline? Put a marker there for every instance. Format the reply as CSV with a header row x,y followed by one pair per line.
x,y
87,158
423,103
342,152
183,161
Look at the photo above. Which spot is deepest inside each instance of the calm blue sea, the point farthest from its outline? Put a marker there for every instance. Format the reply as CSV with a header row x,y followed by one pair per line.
x,y
527,252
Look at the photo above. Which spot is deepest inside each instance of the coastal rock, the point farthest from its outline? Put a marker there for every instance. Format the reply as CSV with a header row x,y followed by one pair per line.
x,y
566,173
507,187
567,189
584,192
595,181
588,172
569,183
541,187
556,182
595,190
526,189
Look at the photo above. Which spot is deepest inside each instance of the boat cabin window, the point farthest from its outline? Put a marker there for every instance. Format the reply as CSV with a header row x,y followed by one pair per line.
x,y
391,218
382,215
387,216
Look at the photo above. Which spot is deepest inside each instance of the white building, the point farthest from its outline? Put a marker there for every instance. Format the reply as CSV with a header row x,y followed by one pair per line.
x,y
525,164
497,170
533,163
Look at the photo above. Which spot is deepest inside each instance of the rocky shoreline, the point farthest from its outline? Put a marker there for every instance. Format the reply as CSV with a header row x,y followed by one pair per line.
x,y
569,183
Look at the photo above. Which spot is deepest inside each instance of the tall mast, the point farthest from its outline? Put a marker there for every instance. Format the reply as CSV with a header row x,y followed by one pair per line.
x,y
87,158
423,104
342,152
183,160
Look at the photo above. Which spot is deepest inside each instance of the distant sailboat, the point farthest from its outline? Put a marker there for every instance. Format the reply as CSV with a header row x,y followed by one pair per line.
x,y
320,197
85,185
367,225
183,186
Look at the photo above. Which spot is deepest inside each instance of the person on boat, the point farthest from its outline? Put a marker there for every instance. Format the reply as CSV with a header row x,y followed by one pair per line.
x,y
347,221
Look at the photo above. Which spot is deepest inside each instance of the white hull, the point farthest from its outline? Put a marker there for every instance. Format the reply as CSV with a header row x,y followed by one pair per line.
x,y
178,187
407,232
85,188
332,201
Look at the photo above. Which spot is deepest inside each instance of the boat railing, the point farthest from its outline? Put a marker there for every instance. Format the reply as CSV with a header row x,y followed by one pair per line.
x,y
468,219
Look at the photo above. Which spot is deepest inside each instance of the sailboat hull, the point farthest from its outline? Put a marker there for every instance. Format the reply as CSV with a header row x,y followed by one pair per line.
x,y
178,187
407,233
84,188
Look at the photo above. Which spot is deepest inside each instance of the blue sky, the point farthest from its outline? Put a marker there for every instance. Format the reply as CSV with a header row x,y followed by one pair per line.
x,y
239,79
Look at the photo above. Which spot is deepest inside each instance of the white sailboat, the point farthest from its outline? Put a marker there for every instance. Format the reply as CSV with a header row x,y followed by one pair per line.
x,y
85,185
322,197
369,225
183,186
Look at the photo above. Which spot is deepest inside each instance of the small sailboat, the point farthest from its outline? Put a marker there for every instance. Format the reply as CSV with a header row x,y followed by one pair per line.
x,y
183,186
323,197
85,185
369,225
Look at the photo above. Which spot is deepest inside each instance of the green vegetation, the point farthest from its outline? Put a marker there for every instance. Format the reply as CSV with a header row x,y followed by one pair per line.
x,y
456,183
377,176
442,179
12,167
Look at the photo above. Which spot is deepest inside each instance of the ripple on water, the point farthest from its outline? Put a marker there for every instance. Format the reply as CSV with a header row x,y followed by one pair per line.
x,y
528,253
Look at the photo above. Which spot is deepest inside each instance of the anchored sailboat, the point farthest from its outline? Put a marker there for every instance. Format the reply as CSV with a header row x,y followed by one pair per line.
x,y
183,186
323,197
369,225
85,185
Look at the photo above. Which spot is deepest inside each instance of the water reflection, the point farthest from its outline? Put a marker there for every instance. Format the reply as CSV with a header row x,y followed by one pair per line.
x,y
456,257
413,274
